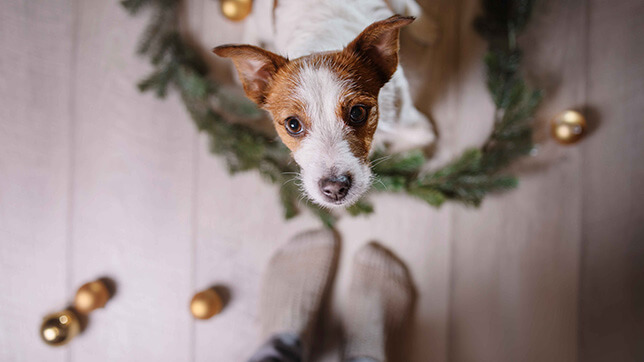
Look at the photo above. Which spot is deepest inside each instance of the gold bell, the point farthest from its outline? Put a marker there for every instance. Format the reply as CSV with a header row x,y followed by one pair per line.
x,y
91,296
59,328
236,10
568,127
206,304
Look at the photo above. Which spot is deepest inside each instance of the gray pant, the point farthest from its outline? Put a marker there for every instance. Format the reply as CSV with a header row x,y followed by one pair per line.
x,y
286,347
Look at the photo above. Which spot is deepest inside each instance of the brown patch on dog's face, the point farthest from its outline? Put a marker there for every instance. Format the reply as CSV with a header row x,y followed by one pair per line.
x,y
363,93
282,103
361,88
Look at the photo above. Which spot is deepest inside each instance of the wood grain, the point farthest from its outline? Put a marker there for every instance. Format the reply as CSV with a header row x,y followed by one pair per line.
x,y
612,284
239,225
35,93
133,187
515,260
99,180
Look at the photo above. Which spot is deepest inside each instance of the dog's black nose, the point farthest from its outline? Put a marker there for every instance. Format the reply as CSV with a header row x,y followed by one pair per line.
x,y
335,188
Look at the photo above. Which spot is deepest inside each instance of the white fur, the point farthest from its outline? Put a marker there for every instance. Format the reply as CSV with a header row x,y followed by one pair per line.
x,y
325,152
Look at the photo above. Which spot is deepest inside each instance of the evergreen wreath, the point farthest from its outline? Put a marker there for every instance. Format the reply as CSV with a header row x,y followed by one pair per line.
x,y
477,172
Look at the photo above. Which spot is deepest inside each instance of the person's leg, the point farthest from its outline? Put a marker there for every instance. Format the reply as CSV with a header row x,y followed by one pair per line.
x,y
295,283
380,299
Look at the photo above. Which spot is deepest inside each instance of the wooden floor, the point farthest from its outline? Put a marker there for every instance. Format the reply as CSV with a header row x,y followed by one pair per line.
x,y
99,180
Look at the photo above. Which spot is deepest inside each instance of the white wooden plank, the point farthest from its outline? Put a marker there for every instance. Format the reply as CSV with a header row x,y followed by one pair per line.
x,y
133,196
515,260
612,290
240,224
36,38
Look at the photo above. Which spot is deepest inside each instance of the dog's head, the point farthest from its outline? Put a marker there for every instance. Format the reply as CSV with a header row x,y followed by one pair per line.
x,y
325,106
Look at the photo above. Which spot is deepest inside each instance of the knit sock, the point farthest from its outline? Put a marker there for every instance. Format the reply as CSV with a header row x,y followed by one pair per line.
x,y
380,297
295,283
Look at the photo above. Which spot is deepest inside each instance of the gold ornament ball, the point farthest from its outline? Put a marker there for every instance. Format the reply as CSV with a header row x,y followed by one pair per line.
x,y
59,328
206,304
568,127
236,10
91,296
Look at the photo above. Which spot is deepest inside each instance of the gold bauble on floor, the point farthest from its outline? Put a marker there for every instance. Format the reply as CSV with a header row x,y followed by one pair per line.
x,y
568,127
90,296
236,10
206,304
59,328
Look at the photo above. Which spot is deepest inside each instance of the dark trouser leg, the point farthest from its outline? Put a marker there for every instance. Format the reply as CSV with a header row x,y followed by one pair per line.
x,y
286,347
283,347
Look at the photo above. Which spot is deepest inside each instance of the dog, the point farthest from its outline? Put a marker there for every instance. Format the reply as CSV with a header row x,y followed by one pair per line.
x,y
333,87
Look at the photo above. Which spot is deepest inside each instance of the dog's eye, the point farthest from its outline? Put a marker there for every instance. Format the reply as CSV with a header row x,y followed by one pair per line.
x,y
358,115
293,126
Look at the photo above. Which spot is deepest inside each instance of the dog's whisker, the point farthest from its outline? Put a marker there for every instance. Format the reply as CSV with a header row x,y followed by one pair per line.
x,y
290,180
380,160
303,198
376,178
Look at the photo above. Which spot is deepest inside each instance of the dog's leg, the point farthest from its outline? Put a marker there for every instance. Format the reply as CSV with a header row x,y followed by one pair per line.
x,y
401,127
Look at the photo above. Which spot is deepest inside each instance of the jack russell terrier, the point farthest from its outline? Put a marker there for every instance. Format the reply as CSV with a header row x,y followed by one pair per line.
x,y
336,92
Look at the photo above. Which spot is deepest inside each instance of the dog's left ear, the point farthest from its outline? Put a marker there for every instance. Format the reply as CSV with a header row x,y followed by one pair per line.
x,y
378,44
256,68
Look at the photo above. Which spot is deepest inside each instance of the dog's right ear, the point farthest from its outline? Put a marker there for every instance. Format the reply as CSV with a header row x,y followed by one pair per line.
x,y
379,44
256,68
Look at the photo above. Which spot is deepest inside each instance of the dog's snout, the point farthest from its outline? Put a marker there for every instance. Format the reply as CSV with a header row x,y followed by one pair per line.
x,y
335,188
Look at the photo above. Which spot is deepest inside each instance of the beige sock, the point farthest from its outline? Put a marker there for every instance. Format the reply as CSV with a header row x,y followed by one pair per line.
x,y
295,283
379,302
